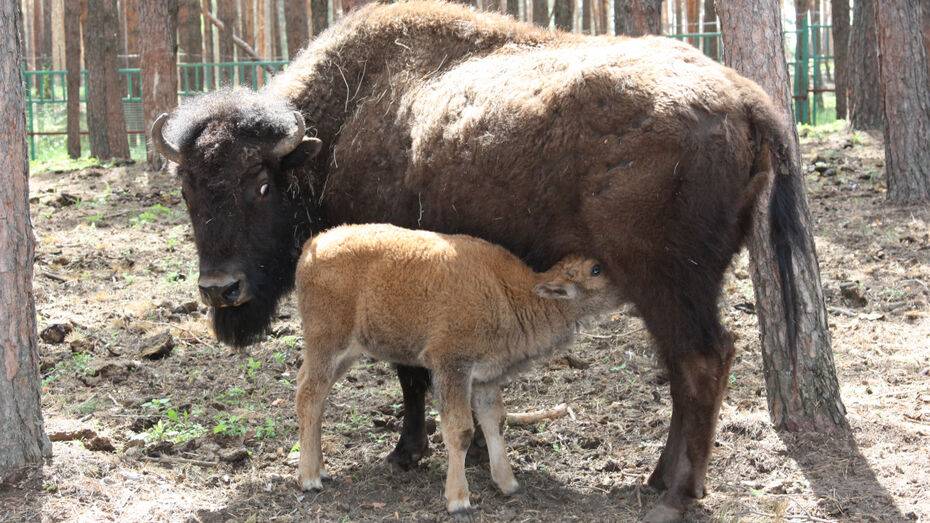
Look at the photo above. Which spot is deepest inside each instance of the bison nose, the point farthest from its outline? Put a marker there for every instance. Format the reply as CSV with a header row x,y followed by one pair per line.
x,y
223,290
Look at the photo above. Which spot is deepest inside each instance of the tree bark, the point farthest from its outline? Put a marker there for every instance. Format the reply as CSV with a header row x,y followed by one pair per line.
x,y
840,13
72,20
693,12
105,119
800,377
541,13
906,100
865,97
226,13
58,35
513,8
318,16
585,16
131,48
296,26
638,17
710,26
925,22
47,31
209,56
37,34
159,22
679,18
190,41
22,431
562,12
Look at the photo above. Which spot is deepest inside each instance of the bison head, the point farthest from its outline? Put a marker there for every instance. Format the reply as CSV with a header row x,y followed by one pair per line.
x,y
237,155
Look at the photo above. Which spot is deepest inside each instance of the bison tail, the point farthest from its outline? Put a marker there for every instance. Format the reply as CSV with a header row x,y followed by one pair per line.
x,y
787,237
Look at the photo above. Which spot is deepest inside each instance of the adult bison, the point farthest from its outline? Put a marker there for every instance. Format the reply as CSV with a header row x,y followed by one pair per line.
x,y
638,152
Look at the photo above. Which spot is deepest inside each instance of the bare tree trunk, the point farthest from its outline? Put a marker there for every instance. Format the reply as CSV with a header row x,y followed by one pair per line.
x,y
638,17
159,65
58,35
925,22
840,9
131,48
318,16
562,12
105,119
209,76
226,13
190,42
865,97
276,31
513,8
541,13
710,26
297,30
72,20
22,431
693,11
37,35
679,18
797,358
585,16
906,99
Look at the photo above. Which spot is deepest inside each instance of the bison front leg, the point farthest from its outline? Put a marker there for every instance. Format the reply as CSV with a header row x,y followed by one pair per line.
x,y
413,444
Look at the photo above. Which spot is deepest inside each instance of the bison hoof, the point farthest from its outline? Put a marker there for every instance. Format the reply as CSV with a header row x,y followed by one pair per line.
x,y
663,513
510,488
406,456
461,511
311,484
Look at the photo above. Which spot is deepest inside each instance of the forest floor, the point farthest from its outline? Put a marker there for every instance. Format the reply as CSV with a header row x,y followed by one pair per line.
x,y
206,433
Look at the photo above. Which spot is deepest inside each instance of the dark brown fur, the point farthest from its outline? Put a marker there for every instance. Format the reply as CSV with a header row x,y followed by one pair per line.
x,y
642,153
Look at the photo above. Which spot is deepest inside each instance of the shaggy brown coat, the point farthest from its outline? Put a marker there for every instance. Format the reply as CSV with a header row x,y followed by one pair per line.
x,y
469,311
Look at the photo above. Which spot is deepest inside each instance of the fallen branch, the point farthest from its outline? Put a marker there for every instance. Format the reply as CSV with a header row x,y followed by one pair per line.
x,y
236,40
529,418
186,461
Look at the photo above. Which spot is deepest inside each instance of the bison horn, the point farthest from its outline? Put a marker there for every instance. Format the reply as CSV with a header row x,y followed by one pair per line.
x,y
291,141
161,145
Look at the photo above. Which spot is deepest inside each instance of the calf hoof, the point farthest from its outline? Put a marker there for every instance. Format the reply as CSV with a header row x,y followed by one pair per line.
x,y
406,456
510,488
461,511
663,513
310,484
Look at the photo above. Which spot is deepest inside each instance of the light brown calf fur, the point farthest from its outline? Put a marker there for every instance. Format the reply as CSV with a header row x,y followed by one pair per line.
x,y
466,309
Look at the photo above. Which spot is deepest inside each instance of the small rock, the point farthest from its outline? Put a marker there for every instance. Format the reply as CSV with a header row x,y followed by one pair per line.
x,y
156,347
234,455
829,172
56,332
134,440
852,293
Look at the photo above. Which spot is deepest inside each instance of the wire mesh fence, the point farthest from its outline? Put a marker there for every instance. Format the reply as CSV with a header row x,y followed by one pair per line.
x,y
807,48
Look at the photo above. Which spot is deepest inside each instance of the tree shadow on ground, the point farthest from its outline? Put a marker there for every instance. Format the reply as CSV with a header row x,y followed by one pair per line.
x,y
841,477
22,496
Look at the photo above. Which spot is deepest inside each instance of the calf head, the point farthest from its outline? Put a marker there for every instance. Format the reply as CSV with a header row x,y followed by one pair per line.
x,y
580,279
236,153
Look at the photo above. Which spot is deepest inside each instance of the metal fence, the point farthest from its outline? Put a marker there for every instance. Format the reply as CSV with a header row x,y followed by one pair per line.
x,y
46,91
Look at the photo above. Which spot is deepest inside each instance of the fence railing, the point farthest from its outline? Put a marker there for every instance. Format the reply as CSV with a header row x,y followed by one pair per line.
x,y
807,48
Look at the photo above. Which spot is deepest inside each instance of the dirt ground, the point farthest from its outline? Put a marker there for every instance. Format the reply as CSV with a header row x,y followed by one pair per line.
x,y
205,433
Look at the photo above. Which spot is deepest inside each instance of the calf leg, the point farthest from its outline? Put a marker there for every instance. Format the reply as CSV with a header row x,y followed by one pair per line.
x,y
413,443
489,409
452,388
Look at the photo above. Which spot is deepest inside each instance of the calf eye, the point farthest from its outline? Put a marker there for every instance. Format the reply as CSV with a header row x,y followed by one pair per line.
x,y
596,270
263,190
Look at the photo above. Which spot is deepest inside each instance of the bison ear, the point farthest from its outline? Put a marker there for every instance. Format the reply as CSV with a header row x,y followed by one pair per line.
x,y
306,151
556,291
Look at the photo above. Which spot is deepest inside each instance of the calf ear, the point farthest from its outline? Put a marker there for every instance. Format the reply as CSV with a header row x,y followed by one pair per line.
x,y
306,151
555,291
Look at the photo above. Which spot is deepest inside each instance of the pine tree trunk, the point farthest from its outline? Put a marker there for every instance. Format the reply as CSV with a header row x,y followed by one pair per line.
x,y
840,9
209,56
190,42
803,392
72,20
541,13
562,12
906,100
585,16
276,32
710,26
58,35
131,36
925,23
318,10
865,97
296,26
226,13
638,17
679,18
37,35
105,119
159,23
22,432
693,12
513,8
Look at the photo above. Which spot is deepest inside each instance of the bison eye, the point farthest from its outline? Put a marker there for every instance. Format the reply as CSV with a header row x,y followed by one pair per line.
x,y
263,190
596,270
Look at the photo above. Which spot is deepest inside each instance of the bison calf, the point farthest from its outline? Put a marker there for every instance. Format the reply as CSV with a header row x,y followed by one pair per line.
x,y
468,310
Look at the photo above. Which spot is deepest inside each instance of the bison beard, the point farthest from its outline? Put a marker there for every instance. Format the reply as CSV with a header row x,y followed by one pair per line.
x,y
243,325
